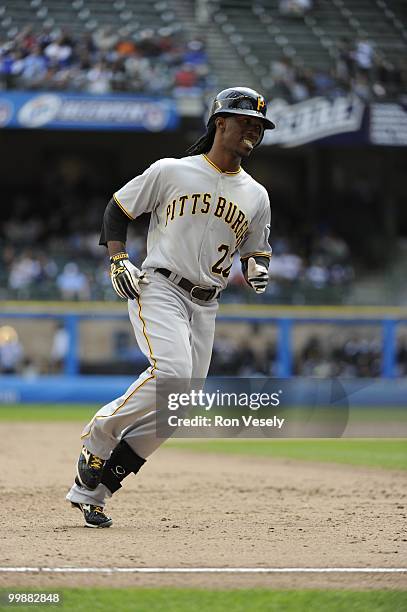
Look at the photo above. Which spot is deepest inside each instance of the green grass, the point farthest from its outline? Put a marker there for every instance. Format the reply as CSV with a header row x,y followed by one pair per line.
x,y
197,600
83,412
381,452
48,412
389,454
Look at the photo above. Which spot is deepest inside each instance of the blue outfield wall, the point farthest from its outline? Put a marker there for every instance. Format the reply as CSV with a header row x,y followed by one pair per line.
x,y
285,329
103,389
72,387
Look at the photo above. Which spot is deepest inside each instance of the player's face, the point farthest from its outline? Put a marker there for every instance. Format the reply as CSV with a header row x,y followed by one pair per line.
x,y
242,133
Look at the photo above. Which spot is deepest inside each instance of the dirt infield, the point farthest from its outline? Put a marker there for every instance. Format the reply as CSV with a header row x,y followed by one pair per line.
x,y
197,510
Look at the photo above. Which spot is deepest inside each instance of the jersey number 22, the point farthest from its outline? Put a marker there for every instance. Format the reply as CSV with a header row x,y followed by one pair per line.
x,y
217,267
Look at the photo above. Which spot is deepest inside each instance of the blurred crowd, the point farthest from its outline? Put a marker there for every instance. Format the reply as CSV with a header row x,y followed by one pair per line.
x,y
159,62
299,271
358,68
347,355
51,258
340,355
102,62
49,246
76,268
15,359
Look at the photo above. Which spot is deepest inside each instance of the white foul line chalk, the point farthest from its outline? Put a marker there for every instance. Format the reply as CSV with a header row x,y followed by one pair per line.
x,y
205,570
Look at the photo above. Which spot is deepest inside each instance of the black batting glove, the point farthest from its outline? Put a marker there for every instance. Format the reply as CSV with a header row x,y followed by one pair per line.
x,y
257,276
125,277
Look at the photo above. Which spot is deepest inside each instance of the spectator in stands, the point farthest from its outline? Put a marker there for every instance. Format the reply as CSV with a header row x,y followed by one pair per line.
x,y
72,283
59,52
186,76
310,355
24,271
225,360
282,73
11,66
34,67
332,245
158,79
105,39
147,43
323,82
125,47
231,358
349,357
136,67
118,81
299,88
11,351
286,267
45,37
295,8
86,46
195,53
364,56
99,78
26,39
171,49
345,61
317,273
103,62
59,348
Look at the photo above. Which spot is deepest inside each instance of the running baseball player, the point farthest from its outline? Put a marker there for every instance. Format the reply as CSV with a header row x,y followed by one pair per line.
x,y
204,208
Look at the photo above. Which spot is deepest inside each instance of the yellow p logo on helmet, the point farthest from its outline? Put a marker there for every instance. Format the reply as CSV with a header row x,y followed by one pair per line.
x,y
260,103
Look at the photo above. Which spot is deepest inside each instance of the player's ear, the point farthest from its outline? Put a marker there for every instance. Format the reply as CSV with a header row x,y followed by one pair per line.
x,y
220,123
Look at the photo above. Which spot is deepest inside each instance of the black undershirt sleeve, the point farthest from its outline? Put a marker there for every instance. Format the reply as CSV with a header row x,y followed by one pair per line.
x,y
115,223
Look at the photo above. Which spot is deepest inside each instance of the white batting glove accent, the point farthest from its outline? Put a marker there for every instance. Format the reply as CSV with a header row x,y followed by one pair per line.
x,y
125,277
257,276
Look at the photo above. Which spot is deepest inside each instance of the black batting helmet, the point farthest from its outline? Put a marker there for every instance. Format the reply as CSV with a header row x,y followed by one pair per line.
x,y
241,101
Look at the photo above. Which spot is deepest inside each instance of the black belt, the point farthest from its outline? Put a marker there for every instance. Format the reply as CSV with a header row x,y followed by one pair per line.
x,y
195,291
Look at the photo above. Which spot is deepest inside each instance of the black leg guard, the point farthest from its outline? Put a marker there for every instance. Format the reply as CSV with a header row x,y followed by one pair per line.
x,y
120,464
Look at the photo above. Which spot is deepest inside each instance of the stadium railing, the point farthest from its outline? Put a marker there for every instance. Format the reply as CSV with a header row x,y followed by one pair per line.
x,y
284,324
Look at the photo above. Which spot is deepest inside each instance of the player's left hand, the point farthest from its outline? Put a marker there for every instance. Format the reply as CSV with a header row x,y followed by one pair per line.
x,y
125,277
257,276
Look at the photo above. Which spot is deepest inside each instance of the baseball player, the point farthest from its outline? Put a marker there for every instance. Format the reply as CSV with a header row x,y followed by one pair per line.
x,y
204,207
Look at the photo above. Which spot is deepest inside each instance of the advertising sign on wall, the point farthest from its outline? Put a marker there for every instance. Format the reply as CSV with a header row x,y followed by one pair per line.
x,y
66,111
342,119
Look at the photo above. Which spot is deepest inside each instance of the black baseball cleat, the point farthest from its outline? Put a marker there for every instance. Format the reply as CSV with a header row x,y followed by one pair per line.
x,y
89,469
94,515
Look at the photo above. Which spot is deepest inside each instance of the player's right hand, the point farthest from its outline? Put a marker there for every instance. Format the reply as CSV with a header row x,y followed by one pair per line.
x,y
125,277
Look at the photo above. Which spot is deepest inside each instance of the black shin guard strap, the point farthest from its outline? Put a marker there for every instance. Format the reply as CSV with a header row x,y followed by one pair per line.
x,y
120,464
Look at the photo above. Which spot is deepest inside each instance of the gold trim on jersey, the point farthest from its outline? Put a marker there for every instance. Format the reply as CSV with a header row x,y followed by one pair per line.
x,y
116,199
257,253
151,377
150,350
217,167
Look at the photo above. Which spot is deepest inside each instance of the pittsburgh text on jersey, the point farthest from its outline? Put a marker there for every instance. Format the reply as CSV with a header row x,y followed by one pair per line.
x,y
199,203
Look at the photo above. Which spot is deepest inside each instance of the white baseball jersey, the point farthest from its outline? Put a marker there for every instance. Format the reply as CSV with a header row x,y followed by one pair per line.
x,y
199,217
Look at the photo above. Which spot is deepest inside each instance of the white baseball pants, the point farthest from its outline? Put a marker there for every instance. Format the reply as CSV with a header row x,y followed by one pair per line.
x,y
176,335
